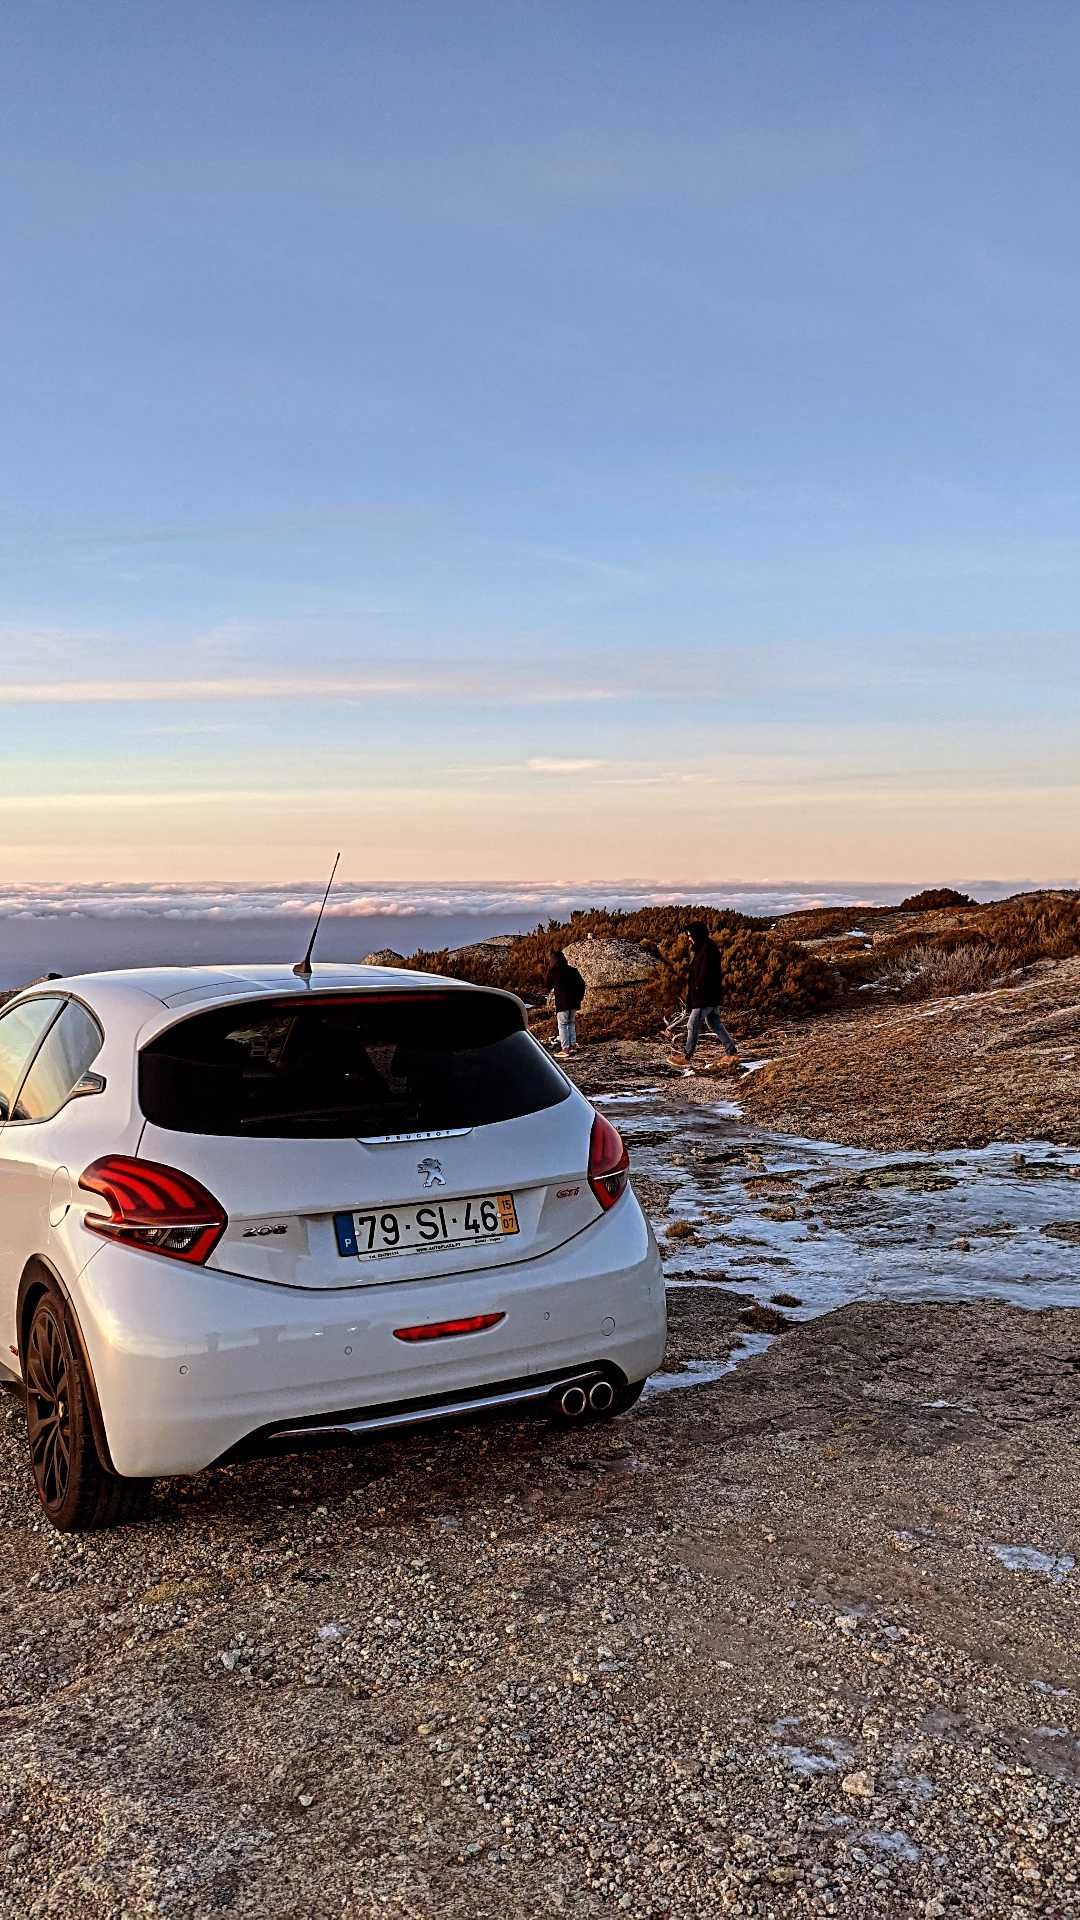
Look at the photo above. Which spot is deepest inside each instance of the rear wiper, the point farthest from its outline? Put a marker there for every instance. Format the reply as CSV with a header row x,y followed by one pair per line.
x,y
312,1114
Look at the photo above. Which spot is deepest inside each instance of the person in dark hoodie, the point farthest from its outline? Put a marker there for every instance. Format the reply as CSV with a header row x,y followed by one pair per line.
x,y
704,988
567,989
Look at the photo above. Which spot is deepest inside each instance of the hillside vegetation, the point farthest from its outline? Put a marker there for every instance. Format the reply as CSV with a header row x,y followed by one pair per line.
x,y
767,974
937,943
982,947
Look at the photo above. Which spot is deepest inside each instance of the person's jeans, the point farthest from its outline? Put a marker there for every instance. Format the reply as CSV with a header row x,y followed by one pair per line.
x,y
567,1029
709,1017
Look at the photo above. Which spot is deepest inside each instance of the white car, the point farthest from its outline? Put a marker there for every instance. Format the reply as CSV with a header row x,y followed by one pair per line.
x,y
243,1211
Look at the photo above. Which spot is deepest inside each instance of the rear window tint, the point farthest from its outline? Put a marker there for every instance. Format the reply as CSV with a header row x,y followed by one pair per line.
x,y
351,1067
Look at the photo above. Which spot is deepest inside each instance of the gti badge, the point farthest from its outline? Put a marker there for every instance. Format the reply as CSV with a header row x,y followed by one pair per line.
x,y
432,1172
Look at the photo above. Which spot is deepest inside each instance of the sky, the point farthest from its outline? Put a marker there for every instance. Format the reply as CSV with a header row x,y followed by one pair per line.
x,y
502,441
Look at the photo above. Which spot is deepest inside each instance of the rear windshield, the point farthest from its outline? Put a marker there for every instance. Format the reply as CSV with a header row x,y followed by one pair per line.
x,y
362,1066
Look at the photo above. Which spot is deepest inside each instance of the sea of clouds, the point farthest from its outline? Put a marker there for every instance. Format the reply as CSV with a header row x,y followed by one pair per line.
x,y
523,905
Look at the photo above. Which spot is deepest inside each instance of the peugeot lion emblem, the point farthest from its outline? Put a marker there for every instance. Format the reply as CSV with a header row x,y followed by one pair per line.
x,y
432,1172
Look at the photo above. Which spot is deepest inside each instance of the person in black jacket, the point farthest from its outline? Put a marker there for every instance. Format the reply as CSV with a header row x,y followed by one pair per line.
x,y
567,989
704,987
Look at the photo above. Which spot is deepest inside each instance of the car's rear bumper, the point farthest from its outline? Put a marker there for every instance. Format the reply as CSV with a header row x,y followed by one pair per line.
x,y
190,1365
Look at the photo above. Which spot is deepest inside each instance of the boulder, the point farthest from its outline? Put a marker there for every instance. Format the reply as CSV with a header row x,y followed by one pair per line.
x,y
383,957
611,969
480,961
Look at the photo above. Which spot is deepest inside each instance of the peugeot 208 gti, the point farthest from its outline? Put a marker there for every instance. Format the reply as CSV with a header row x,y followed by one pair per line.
x,y
242,1211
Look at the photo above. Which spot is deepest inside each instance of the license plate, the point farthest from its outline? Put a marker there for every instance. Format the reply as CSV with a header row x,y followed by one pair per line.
x,y
437,1227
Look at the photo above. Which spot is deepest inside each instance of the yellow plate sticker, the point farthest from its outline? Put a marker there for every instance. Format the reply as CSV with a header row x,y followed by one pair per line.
x,y
508,1220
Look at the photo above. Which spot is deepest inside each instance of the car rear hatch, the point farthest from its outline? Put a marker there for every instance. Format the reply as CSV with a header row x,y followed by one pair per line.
x,y
359,1139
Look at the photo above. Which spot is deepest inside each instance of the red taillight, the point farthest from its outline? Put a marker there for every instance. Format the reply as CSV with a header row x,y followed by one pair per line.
x,y
439,1329
154,1208
609,1162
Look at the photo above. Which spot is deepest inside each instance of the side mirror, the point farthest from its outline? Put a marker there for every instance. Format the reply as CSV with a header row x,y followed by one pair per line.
x,y
89,1083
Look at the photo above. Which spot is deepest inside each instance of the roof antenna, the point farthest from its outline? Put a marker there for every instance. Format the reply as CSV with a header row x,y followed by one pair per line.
x,y
302,968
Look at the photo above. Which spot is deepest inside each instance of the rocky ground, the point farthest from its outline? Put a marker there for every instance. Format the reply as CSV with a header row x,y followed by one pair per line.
x,y
801,1638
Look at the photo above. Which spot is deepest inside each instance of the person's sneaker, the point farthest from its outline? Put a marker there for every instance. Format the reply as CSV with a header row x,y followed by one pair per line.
x,y
680,1060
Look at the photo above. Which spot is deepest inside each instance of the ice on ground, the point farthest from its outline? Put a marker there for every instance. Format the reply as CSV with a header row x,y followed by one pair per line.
x,y
919,1787
702,1373
801,1760
896,1843
625,1099
835,1752
1057,1566
823,1226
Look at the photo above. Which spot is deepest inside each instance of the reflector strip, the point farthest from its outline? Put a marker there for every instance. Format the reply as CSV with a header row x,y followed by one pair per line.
x,y
443,1329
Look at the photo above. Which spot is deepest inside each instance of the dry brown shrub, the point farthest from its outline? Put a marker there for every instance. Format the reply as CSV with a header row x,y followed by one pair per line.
x,y
925,970
988,948
1034,926
932,898
765,976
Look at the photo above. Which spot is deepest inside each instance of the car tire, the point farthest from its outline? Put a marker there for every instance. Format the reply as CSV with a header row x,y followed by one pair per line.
x,y
77,1493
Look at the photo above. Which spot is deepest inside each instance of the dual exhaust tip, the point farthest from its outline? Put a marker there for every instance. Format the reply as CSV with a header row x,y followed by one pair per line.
x,y
577,1400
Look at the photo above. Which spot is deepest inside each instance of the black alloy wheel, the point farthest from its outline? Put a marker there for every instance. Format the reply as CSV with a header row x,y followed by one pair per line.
x,y
77,1492
48,1408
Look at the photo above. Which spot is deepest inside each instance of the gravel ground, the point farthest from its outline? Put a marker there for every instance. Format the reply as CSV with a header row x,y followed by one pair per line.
x,y
749,1650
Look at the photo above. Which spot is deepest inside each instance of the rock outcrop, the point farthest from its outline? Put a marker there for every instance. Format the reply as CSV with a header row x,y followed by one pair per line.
x,y
611,969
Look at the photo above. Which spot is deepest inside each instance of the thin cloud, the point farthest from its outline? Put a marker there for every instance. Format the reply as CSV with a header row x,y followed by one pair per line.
x,y
359,687
542,764
181,731
126,692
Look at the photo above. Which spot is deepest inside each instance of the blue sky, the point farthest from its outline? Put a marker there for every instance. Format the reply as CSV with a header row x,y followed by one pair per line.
x,y
578,441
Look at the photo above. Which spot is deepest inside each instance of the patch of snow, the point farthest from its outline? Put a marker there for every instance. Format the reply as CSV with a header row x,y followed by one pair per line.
x,y
755,1066
801,1760
1057,1566
1057,1693
896,1843
921,1787
625,1099
703,1373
